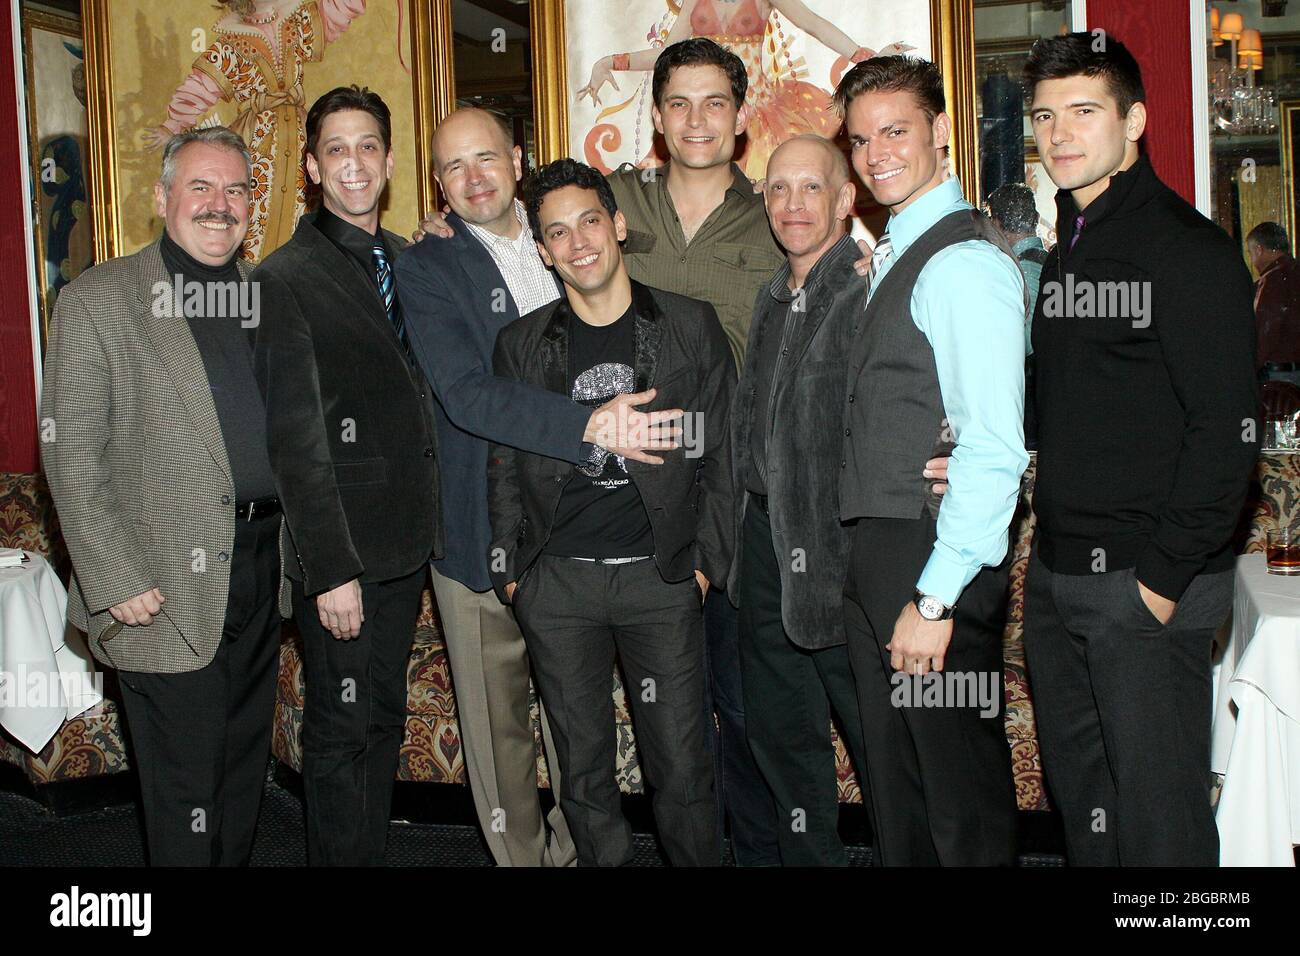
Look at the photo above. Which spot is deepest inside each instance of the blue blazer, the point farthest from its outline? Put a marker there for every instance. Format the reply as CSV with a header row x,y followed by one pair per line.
x,y
449,289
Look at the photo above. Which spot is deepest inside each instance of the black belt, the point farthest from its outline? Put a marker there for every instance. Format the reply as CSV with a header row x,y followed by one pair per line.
x,y
760,500
1281,366
257,508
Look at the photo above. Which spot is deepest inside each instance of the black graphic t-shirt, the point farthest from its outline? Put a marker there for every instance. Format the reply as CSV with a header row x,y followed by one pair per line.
x,y
600,513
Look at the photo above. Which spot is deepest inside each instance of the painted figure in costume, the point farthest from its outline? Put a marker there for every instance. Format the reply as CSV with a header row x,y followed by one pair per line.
x,y
782,102
256,59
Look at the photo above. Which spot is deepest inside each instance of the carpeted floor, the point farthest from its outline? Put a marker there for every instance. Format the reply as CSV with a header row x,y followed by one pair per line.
x,y
32,835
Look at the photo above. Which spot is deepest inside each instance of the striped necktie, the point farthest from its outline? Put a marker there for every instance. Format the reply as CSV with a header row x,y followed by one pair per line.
x,y
388,292
883,252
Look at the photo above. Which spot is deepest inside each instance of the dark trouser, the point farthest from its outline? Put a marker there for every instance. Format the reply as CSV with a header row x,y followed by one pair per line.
x,y
789,693
1123,707
940,776
200,740
575,616
353,719
742,796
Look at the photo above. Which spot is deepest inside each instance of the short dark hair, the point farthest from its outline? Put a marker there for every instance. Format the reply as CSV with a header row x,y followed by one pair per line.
x,y
1271,236
893,74
349,98
699,51
1012,207
557,175
1086,54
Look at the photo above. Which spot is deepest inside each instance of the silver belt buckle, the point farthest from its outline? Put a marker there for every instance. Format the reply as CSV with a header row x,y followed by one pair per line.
x,y
633,560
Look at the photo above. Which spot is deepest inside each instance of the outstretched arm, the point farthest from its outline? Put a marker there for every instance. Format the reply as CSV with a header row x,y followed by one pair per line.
x,y
641,61
797,12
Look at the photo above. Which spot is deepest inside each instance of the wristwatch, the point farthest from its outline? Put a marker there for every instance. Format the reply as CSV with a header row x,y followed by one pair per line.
x,y
932,609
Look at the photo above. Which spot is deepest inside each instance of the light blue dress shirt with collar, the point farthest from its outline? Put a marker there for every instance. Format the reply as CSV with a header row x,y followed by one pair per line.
x,y
969,304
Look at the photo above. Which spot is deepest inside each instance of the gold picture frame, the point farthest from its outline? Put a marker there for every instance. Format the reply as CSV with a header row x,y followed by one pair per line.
x,y
1289,129
44,209
952,41
424,33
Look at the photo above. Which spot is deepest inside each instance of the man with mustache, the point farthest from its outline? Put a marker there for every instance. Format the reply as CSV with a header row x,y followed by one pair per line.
x,y
1146,440
458,295
154,443
352,438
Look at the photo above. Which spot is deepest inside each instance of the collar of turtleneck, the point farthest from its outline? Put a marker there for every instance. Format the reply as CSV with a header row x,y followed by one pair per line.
x,y
178,261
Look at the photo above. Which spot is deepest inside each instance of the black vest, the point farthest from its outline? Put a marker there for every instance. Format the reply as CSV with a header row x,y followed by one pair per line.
x,y
894,419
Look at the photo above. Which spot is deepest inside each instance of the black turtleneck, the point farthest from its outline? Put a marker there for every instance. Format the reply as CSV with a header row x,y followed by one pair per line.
x,y
225,345
1145,435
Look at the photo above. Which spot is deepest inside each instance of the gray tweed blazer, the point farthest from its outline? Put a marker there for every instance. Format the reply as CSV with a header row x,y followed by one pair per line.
x,y
138,469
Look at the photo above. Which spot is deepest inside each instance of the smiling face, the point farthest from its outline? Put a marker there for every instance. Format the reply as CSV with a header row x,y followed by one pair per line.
x,y
698,118
580,239
206,208
1081,134
352,167
477,169
808,197
897,150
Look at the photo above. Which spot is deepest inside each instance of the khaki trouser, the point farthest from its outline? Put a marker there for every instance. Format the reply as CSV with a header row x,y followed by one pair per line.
x,y
490,671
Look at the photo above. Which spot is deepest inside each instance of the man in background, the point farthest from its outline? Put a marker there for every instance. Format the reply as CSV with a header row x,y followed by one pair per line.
x,y
1277,304
1012,209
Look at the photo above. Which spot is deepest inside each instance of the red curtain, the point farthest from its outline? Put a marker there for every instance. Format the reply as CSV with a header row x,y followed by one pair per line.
x,y
1157,33
17,376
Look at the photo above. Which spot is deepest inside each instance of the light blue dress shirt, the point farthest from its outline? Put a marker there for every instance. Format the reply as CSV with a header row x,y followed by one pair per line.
x,y
969,303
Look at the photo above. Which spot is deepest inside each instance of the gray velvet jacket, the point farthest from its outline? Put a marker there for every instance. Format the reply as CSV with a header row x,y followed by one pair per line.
x,y
804,448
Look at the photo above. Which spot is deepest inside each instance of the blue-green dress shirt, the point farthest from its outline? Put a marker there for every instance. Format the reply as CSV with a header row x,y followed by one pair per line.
x,y
969,304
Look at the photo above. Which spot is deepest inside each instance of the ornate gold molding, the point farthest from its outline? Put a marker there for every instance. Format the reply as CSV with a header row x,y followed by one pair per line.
x,y
101,160
1289,112
433,78
550,80
952,39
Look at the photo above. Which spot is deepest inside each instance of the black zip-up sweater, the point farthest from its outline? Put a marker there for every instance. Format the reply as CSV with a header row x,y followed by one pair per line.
x,y
1146,423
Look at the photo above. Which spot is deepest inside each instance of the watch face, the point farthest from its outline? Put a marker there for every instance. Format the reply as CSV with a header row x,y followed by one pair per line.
x,y
931,608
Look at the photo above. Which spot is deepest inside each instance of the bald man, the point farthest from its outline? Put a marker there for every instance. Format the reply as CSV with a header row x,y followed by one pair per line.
x,y
457,295
787,430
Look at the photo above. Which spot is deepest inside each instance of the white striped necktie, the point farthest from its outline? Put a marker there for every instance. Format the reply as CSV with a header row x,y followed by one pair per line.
x,y
883,252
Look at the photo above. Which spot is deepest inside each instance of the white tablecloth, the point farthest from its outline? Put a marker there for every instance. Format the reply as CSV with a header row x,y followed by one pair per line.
x,y
43,680
1256,740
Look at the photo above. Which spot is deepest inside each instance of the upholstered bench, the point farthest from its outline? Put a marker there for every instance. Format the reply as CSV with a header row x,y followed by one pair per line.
x,y
92,745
